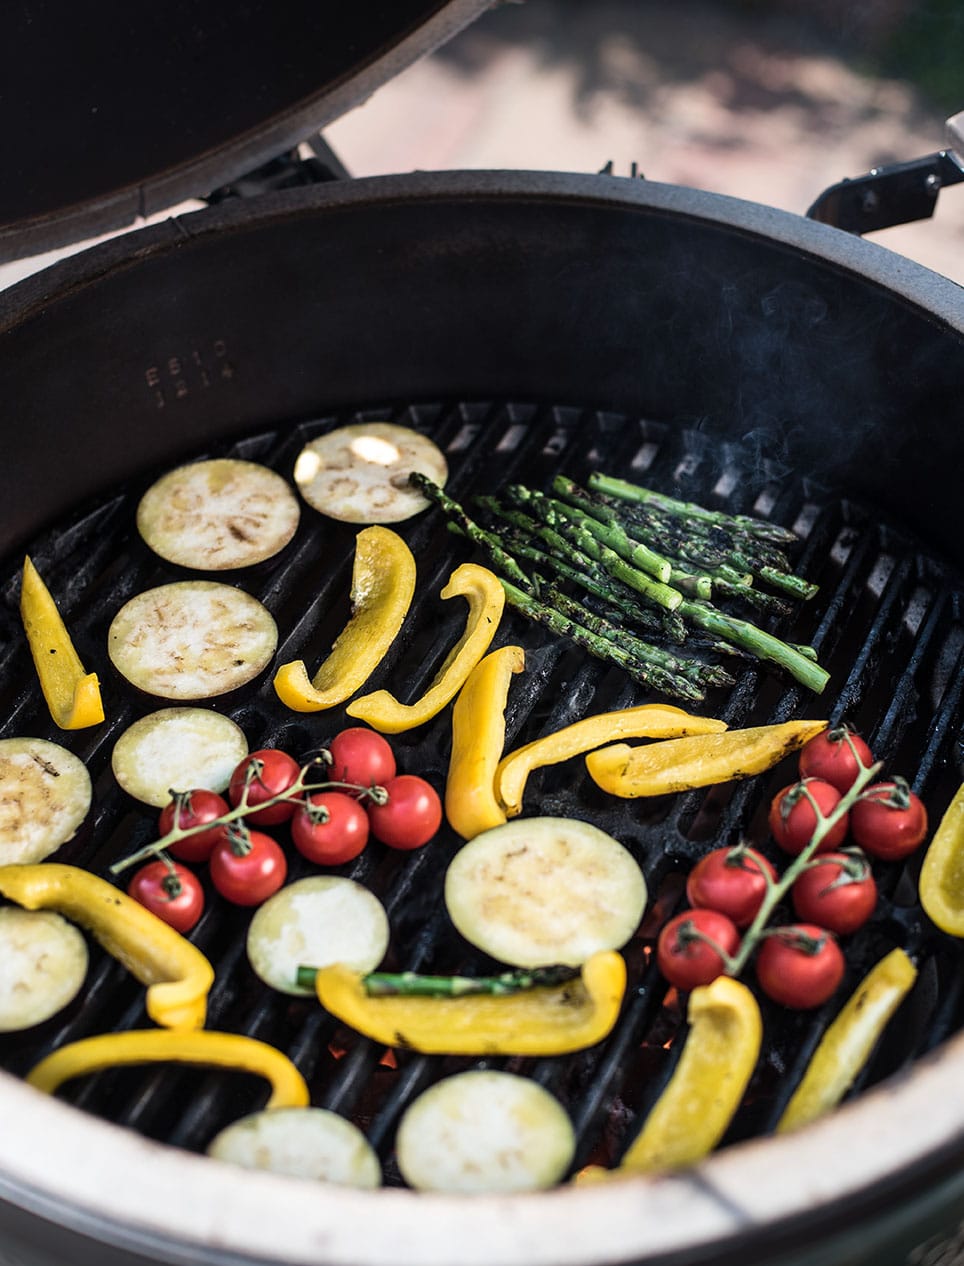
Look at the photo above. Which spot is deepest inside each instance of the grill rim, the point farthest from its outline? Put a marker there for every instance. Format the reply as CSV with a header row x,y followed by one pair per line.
x,y
735,1202
929,291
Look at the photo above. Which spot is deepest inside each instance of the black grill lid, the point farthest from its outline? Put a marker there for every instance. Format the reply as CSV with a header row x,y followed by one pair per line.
x,y
117,110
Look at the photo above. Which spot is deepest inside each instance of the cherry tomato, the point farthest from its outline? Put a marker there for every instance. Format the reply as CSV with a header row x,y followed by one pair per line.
x,y
837,756
330,829
684,958
837,891
889,821
793,821
266,773
248,867
410,816
190,809
800,966
361,756
173,893
730,880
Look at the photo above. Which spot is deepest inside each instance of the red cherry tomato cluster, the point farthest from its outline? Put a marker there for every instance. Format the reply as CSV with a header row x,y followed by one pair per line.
x,y
799,965
362,795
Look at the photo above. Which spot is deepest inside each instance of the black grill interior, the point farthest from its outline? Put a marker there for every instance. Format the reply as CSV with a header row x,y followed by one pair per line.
x,y
887,623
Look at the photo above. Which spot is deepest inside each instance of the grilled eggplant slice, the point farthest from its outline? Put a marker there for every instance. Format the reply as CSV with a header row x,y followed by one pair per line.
x,y
540,891
310,1143
315,922
485,1131
194,639
218,515
359,473
177,749
43,963
45,795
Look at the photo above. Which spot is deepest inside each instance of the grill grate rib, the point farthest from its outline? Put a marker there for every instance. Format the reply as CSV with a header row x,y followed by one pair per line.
x,y
887,622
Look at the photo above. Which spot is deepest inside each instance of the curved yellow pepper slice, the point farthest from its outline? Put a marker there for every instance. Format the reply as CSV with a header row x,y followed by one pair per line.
x,y
721,1051
698,761
177,974
72,694
382,586
941,884
650,720
551,1020
150,1046
486,599
848,1042
478,736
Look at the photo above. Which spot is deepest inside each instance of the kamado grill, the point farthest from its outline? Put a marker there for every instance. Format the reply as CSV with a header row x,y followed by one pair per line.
x,y
530,323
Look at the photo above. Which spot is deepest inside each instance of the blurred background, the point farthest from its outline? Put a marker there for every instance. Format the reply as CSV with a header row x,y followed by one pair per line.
x,y
769,100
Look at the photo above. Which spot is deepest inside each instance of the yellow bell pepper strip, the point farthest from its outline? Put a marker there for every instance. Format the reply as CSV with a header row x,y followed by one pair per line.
x,y
155,1046
650,720
721,1051
941,884
72,694
848,1042
382,586
177,975
544,1020
486,599
478,736
698,761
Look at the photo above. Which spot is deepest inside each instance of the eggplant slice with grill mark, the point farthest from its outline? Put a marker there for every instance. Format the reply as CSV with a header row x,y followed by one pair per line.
x,y
177,749
218,515
45,795
359,473
193,639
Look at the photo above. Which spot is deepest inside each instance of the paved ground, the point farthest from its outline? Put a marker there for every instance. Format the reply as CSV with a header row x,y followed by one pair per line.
x,y
741,99
744,101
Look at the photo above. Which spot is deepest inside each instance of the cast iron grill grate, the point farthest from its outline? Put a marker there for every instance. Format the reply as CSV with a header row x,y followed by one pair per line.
x,y
887,623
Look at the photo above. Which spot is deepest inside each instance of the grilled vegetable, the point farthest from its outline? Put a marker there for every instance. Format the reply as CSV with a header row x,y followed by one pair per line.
x,y
219,514
942,874
484,1132
452,1016
177,975
478,736
848,1042
177,748
43,962
45,795
154,1046
359,473
545,890
382,585
320,920
72,695
650,720
310,1143
486,600
698,761
721,1051
193,639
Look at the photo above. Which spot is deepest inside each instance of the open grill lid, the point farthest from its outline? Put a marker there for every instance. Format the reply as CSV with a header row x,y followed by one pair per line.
x,y
117,111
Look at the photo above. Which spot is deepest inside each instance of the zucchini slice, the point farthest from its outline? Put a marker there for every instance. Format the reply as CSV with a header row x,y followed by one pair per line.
x,y
43,963
45,795
176,749
485,1131
219,514
308,1143
315,922
359,473
539,891
193,639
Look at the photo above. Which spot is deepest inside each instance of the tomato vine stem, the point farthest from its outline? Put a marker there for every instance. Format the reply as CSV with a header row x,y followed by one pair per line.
x,y
298,789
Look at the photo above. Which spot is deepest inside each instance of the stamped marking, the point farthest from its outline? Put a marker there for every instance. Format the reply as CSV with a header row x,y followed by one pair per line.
x,y
182,374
